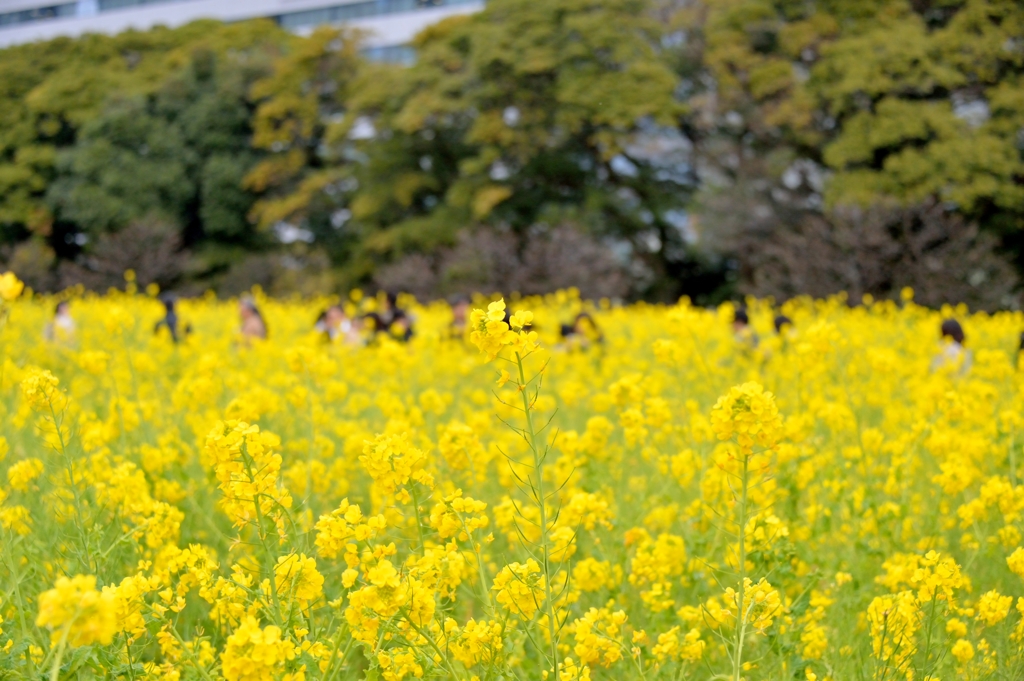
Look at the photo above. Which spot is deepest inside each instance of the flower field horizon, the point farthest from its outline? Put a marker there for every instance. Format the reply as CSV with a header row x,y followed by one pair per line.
x,y
665,499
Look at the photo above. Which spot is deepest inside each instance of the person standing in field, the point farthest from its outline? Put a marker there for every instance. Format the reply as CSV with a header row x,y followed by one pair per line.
x,y
393,320
61,329
743,332
583,332
170,321
783,325
460,318
953,356
338,328
253,326
390,310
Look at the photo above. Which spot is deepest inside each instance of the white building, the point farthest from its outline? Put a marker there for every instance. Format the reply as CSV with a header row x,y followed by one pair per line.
x,y
390,23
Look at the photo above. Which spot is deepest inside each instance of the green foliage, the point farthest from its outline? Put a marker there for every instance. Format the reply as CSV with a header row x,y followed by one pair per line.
x,y
304,94
177,155
512,117
127,164
97,131
904,101
593,113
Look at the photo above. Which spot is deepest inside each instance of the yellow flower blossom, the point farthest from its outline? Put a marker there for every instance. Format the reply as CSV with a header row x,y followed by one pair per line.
x,y
255,654
10,286
993,607
963,651
22,474
491,333
75,611
749,414
296,576
520,588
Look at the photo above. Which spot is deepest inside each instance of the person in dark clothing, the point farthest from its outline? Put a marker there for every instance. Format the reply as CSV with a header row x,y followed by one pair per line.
x,y
394,320
401,326
390,309
951,329
372,324
170,321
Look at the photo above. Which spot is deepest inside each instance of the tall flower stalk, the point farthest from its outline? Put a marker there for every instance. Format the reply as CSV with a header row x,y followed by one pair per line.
x,y
10,288
493,331
748,415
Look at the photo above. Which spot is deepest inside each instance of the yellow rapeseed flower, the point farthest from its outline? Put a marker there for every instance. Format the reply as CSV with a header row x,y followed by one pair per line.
x,y
749,414
520,588
22,474
76,611
10,286
296,576
255,654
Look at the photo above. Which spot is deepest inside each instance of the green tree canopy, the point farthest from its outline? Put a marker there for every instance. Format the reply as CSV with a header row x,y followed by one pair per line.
x,y
58,93
676,133
522,113
902,101
179,153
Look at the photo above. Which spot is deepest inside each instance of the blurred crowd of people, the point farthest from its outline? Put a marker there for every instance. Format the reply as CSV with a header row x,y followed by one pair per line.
x,y
338,325
952,355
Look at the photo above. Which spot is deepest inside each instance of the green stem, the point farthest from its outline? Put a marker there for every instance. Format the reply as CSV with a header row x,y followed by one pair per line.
x,y
440,653
740,613
128,653
55,669
334,654
74,487
262,534
538,468
1013,460
190,651
928,635
419,521
17,579
479,550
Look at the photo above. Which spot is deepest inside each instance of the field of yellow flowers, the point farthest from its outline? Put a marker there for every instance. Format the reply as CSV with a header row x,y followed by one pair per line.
x,y
669,503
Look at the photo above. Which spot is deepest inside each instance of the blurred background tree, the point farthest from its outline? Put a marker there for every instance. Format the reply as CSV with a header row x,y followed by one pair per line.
x,y
804,109
104,133
699,147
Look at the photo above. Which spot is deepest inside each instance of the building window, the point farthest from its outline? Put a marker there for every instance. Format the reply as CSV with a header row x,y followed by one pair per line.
x,y
291,20
392,54
68,9
107,5
359,10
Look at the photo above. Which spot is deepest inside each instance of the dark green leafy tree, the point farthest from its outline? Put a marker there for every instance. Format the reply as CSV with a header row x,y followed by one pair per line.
x,y
127,163
521,114
51,91
803,108
300,100
525,118
177,155
526,113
